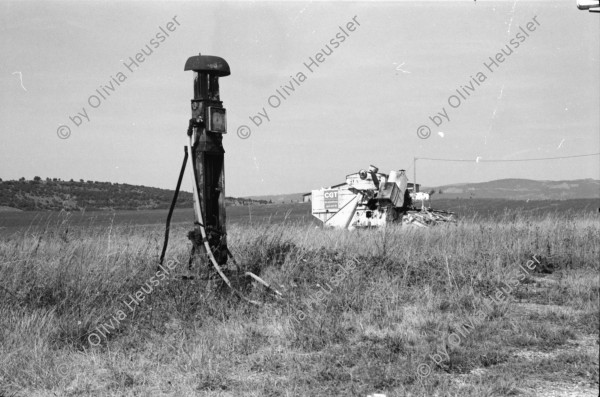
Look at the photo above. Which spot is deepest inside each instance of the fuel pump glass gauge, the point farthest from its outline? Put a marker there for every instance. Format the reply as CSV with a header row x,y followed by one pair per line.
x,y
217,122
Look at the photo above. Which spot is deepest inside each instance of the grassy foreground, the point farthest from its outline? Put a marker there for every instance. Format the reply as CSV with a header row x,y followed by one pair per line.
x,y
401,311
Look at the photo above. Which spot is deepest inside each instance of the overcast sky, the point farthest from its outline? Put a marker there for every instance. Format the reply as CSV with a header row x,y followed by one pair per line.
x,y
362,105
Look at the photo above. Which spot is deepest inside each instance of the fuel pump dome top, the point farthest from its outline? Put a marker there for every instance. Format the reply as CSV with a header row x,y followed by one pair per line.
x,y
208,64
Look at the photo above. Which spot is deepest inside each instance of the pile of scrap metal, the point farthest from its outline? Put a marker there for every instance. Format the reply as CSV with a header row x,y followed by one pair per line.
x,y
427,217
373,199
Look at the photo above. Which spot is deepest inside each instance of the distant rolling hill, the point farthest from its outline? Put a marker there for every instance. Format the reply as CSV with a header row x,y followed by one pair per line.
x,y
521,189
511,189
55,195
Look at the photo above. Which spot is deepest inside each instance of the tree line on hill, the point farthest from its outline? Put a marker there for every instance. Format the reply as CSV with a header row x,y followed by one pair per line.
x,y
55,194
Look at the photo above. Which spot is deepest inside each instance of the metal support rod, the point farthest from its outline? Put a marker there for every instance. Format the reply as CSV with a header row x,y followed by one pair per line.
x,y
173,202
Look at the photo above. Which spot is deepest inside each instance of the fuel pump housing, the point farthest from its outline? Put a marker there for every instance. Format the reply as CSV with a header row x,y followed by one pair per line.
x,y
206,129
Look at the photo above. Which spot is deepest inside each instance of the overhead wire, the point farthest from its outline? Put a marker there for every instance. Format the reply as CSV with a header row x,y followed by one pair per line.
x,y
478,160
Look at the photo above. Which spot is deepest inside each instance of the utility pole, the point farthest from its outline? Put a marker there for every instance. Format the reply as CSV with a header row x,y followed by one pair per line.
x,y
414,174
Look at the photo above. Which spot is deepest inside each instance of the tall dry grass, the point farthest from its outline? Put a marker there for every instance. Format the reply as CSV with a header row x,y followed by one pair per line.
x,y
398,294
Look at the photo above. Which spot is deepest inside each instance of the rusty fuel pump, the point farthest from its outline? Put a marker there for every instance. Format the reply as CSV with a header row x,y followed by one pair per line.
x,y
205,132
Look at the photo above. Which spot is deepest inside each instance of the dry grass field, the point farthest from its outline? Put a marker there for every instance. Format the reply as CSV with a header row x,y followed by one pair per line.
x,y
506,307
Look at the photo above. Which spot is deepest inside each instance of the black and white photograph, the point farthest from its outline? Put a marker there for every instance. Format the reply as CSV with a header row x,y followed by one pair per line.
x,y
300,198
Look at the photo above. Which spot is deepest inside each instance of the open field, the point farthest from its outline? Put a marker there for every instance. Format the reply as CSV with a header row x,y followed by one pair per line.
x,y
273,213
277,213
457,310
